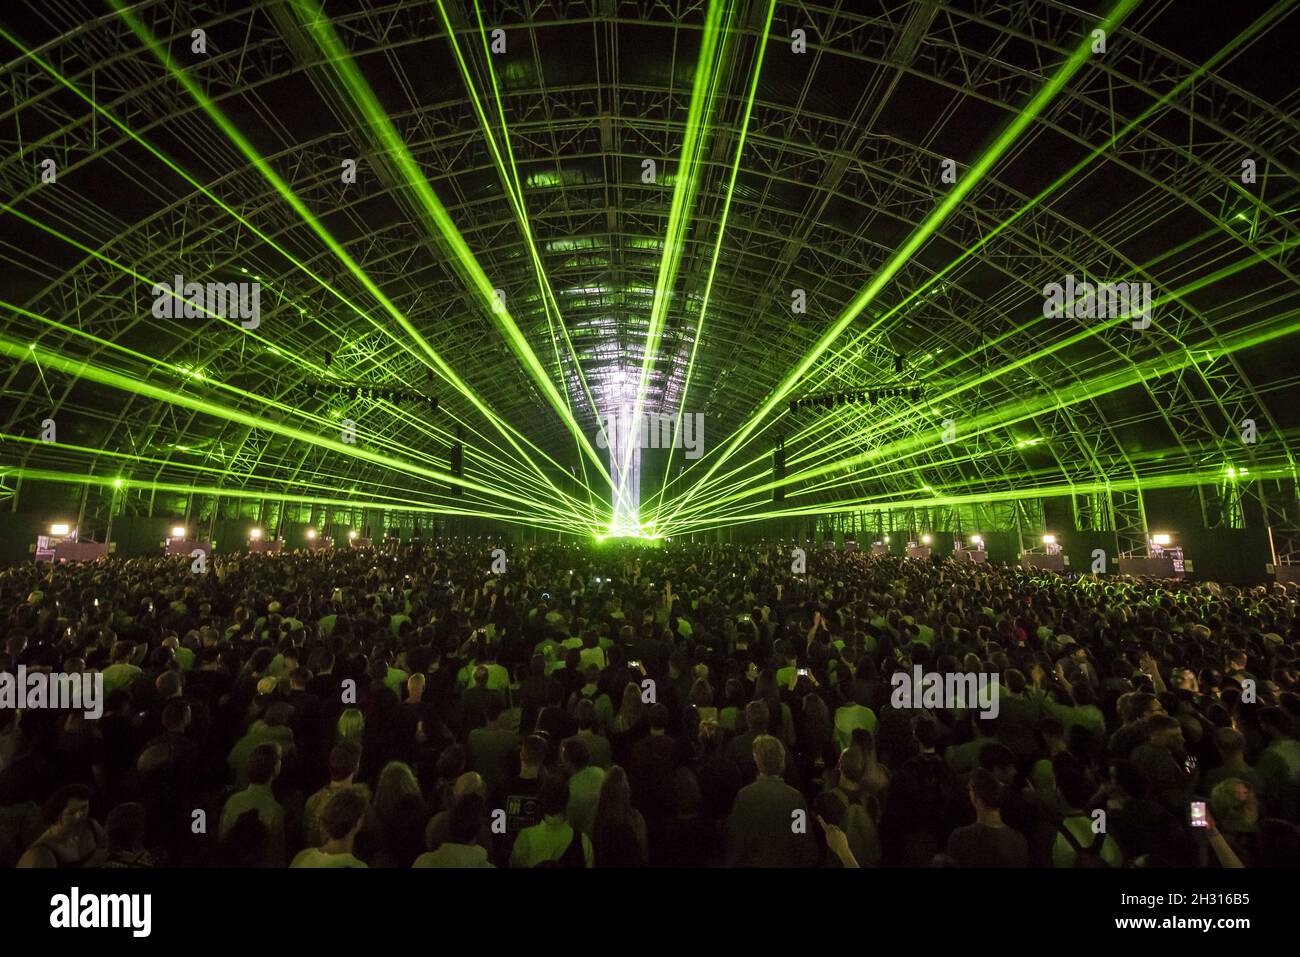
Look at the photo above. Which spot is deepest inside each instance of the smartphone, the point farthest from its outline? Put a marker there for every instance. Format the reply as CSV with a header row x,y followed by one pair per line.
x,y
802,672
634,664
1196,813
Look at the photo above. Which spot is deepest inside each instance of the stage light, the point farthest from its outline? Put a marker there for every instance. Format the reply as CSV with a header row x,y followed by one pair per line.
x,y
976,540
886,539
353,534
1161,539
1049,539
925,539
178,531
311,534
59,528
254,534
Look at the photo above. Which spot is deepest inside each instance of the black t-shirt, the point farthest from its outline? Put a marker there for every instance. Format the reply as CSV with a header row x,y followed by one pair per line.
x,y
984,845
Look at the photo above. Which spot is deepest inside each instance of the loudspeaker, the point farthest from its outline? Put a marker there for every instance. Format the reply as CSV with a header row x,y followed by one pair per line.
x,y
457,466
778,471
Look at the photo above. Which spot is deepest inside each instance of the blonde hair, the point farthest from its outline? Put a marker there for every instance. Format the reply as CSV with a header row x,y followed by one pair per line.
x,y
351,726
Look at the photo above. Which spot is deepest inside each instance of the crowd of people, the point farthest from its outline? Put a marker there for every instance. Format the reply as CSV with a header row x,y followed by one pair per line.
x,y
607,705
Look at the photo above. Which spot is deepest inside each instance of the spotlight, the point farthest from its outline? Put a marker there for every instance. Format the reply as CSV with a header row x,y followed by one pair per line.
x,y
311,534
254,534
1161,539
1049,539
886,539
925,539
353,534
59,528
976,540
178,531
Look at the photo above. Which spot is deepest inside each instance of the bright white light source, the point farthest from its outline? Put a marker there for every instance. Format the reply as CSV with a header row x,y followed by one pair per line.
x,y
178,531
1049,539
352,534
311,534
254,533
59,528
1161,539
925,539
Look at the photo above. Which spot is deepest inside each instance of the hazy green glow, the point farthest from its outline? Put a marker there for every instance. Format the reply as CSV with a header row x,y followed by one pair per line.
x,y
760,50
922,233
117,380
73,478
302,267
1103,150
322,32
685,189
288,195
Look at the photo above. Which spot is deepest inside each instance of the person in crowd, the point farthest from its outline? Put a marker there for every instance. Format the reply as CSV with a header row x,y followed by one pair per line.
x,y
341,818
988,842
553,841
462,847
751,709
768,826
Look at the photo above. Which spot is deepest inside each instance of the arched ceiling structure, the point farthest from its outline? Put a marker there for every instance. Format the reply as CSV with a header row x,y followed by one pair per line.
x,y
799,154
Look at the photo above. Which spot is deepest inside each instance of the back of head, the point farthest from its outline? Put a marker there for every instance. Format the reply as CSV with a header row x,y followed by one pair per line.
x,y
853,764
658,716
342,811
345,758
756,717
575,754
125,826
532,753
769,755
1229,741
584,712
465,818
987,789
263,763
1071,780
554,797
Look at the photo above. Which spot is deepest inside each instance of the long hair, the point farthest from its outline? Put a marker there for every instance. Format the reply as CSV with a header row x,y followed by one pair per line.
x,y
396,781
615,835
351,726
614,806
632,710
